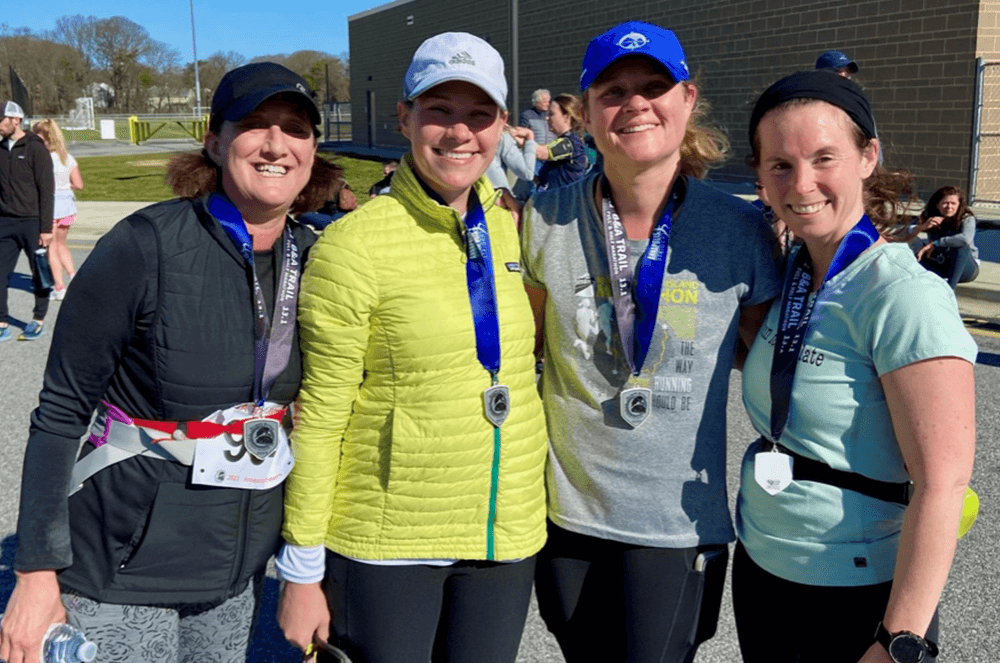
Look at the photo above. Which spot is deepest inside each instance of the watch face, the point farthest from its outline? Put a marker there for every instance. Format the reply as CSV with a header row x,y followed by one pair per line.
x,y
906,648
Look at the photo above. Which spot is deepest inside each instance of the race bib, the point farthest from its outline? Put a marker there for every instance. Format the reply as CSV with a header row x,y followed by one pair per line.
x,y
772,471
225,461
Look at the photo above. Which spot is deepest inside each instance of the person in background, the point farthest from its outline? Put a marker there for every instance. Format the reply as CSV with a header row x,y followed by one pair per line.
x,y
67,180
859,382
642,280
838,63
382,186
565,158
950,251
536,118
417,502
343,201
516,153
27,191
181,335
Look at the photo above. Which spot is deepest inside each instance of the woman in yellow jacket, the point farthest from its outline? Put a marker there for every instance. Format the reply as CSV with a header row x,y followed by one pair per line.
x,y
420,441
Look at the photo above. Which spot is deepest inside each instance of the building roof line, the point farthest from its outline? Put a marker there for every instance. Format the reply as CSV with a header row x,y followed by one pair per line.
x,y
380,8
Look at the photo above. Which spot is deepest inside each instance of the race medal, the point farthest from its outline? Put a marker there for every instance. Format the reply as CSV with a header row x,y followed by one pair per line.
x,y
634,404
260,437
772,470
496,400
258,457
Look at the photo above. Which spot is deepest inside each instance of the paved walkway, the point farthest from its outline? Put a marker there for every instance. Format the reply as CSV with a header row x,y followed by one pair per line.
x,y
979,300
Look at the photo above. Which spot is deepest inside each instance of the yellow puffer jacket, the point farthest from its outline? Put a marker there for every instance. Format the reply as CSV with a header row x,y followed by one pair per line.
x,y
395,458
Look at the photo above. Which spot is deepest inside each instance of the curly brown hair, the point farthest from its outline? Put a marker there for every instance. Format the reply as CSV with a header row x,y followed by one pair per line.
x,y
194,174
886,192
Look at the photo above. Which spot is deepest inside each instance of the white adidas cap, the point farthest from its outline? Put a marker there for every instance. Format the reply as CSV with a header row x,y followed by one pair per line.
x,y
456,56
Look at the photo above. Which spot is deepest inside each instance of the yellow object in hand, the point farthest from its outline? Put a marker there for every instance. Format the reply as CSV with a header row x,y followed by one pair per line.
x,y
970,509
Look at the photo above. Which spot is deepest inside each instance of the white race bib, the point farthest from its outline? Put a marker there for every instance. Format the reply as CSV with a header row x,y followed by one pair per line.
x,y
772,471
225,462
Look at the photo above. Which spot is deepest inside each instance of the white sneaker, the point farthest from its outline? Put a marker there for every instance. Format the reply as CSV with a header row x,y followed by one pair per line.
x,y
57,294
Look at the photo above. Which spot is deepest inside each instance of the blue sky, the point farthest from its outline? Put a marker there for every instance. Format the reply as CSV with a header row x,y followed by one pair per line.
x,y
249,27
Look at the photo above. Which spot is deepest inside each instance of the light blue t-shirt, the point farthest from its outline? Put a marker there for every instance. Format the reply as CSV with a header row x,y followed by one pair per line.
x,y
883,312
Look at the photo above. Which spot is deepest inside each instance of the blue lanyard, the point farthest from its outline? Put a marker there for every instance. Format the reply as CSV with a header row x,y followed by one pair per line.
x,y
272,345
797,308
482,287
637,300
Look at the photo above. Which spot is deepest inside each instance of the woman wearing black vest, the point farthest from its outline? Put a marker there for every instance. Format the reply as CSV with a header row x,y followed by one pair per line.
x,y
179,331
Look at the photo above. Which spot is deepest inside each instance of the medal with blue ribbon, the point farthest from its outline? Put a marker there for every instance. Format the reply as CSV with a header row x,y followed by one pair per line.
x,y
272,343
796,309
773,470
637,300
483,298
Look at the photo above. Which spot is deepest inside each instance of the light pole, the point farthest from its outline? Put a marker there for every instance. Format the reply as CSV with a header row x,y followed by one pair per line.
x,y
194,48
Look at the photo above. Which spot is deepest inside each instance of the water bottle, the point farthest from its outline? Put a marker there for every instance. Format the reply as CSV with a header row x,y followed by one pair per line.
x,y
44,269
65,643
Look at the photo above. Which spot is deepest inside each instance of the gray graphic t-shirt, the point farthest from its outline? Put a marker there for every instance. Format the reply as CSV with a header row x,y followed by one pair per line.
x,y
663,483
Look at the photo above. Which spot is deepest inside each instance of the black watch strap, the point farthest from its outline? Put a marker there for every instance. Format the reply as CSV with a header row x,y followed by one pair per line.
x,y
908,641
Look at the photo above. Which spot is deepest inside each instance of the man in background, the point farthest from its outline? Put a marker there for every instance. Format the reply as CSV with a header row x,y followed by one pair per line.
x,y
27,190
536,118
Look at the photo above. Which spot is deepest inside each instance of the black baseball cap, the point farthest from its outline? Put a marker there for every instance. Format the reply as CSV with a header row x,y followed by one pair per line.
x,y
245,88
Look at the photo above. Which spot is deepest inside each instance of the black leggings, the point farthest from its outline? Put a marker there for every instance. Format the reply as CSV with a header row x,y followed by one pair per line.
x,y
609,601
470,612
779,621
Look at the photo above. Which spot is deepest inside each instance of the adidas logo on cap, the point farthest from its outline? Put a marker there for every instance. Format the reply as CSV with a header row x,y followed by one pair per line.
x,y
462,58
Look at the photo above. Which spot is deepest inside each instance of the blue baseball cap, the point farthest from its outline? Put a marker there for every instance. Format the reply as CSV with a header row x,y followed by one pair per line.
x,y
836,60
456,56
633,38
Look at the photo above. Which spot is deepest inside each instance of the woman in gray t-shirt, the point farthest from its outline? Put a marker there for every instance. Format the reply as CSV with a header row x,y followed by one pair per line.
x,y
635,386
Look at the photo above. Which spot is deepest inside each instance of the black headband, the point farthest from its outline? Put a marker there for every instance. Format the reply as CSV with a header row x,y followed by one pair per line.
x,y
818,84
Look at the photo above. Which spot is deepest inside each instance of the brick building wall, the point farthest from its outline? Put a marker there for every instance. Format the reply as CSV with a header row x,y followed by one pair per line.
x,y
383,41
988,47
917,58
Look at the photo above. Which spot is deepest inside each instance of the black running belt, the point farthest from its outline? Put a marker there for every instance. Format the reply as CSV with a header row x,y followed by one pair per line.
x,y
807,469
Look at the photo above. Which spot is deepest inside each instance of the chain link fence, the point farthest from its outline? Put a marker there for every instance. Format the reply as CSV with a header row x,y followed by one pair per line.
x,y
984,182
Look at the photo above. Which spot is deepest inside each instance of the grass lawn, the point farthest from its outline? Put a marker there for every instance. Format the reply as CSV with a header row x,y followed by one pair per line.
x,y
139,177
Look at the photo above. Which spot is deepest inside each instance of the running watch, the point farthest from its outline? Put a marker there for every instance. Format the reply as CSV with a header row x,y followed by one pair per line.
x,y
904,646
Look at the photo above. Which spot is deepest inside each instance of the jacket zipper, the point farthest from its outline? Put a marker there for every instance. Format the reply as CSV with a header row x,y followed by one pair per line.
x,y
240,558
494,480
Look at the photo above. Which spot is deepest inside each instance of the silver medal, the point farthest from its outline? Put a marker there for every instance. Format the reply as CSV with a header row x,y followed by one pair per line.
x,y
260,437
496,400
634,404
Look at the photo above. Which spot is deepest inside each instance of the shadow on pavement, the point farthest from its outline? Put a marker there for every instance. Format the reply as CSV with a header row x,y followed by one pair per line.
x,y
268,644
988,359
19,281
